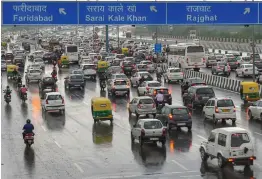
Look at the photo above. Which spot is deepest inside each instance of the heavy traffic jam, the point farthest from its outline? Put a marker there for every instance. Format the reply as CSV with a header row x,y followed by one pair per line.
x,y
60,67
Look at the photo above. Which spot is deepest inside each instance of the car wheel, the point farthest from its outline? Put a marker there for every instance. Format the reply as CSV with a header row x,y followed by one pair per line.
x,y
163,143
250,115
189,128
170,102
203,154
220,161
233,121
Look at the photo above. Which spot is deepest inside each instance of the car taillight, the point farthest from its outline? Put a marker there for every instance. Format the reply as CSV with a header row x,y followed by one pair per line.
x,y
234,108
154,105
143,132
154,92
170,116
190,115
46,101
139,106
187,60
164,132
169,92
236,62
134,66
114,87
63,101
193,84
122,66
216,110
218,68
204,60
147,88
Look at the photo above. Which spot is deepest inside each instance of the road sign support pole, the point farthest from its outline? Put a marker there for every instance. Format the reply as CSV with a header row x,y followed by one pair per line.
x,y
93,37
107,40
118,39
253,51
156,41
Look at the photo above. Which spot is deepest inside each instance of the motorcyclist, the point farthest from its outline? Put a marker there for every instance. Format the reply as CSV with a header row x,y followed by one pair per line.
x,y
185,87
159,98
7,91
15,72
19,79
23,91
54,72
28,128
102,78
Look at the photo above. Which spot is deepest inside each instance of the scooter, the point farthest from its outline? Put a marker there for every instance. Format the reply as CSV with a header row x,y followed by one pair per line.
x,y
103,85
24,97
8,98
29,139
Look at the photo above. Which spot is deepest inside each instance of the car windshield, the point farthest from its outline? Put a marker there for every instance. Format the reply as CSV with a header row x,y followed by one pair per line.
x,y
146,101
248,66
154,84
76,77
35,71
225,103
231,59
89,67
179,111
141,66
175,70
54,97
205,91
238,139
153,125
120,83
121,76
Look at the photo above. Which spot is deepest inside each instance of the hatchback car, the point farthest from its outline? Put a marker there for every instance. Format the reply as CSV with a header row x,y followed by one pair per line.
x,y
149,130
173,74
165,91
53,102
33,75
138,75
218,68
232,62
128,67
220,109
118,87
192,82
142,106
74,81
150,65
144,88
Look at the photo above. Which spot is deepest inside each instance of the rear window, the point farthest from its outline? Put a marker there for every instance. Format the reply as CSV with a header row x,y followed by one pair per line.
x,y
175,70
48,79
120,83
246,58
120,56
54,97
35,71
121,76
127,63
89,67
147,63
231,59
76,77
248,66
195,49
205,91
164,91
238,139
146,101
153,125
154,84
177,111
225,103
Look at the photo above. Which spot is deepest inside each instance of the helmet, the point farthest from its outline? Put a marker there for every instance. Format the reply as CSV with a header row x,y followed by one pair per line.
x,y
24,86
187,83
28,121
7,86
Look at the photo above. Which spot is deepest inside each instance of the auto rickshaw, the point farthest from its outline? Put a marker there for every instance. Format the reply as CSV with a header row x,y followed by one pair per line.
x,y
63,62
10,69
4,45
102,66
101,109
125,51
249,91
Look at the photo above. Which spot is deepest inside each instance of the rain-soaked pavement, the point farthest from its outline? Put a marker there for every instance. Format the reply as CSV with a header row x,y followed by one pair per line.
x,y
71,146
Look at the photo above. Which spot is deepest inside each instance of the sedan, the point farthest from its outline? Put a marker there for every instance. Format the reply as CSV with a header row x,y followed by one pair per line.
x,y
246,70
74,81
146,86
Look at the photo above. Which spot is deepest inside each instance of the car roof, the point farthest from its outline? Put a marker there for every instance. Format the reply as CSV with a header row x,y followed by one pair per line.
x,y
143,97
147,120
221,98
230,130
152,81
201,86
75,75
53,93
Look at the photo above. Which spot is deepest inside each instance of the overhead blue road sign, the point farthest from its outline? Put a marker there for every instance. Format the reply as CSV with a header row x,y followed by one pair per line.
x,y
260,13
122,13
212,13
24,13
158,48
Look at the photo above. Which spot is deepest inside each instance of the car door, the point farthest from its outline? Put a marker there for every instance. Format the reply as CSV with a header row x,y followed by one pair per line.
x,y
132,106
257,109
211,144
137,130
206,108
141,88
211,108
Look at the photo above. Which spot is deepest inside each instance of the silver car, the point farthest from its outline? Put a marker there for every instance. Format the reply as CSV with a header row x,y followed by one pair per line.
x,y
33,75
143,105
118,87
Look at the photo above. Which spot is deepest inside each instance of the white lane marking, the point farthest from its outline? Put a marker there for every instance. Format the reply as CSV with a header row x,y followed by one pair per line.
x,y
258,133
201,137
58,144
196,145
189,176
85,103
179,164
43,127
79,168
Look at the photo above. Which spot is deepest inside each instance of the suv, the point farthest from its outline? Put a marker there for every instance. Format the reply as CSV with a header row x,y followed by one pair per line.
x,y
47,83
149,130
142,106
167,94
119,87
52,102
192,82
198,96
220,109
128,67
74,81
211,60
230,145
175,116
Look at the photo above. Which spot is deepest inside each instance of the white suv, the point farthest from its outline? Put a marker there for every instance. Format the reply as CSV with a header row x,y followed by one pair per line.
x,y
230,145
220,109
53,102
149,130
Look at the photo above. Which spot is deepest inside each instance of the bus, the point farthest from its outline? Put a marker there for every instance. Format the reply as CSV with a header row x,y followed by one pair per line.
x,y
187,56
71,51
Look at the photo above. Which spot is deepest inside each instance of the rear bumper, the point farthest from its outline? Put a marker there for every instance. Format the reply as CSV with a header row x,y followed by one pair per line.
x,y
55,108
144,112
225,116
153,138
76,84
243,161
180,123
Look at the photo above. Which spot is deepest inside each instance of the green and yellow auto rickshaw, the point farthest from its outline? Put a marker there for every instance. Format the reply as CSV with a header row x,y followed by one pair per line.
x,y
10,69
125,51
102,66
101,109
249,91
63,62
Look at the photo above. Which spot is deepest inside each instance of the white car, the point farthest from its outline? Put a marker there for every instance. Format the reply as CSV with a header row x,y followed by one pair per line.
x,y
33,75
244,60
85,61
246,70
34,67
144,88
89,70
149,130
141,67
143,105
150,65
230,145
136,77
39,61
220,109
118,87
255,110
38,53
53,101
173,74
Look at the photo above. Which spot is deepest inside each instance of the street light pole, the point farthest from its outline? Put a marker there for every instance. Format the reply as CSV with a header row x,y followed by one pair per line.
x,y
253,45
118,39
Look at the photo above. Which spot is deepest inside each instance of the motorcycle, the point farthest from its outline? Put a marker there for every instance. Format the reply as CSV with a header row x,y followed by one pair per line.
x,y
159,105
24,97
7,98
103,85
29,139
54,77
19,85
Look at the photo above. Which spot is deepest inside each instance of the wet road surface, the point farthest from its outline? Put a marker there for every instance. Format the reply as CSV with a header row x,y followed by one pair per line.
x,y
71,146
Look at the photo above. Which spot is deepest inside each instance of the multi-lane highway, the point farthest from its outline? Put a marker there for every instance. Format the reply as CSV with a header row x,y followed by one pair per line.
x,y
71,146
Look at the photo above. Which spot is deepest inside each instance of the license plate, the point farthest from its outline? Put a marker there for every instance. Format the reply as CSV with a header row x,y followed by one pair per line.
x,y
77,85
29,141
181,124
225,110
153,138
